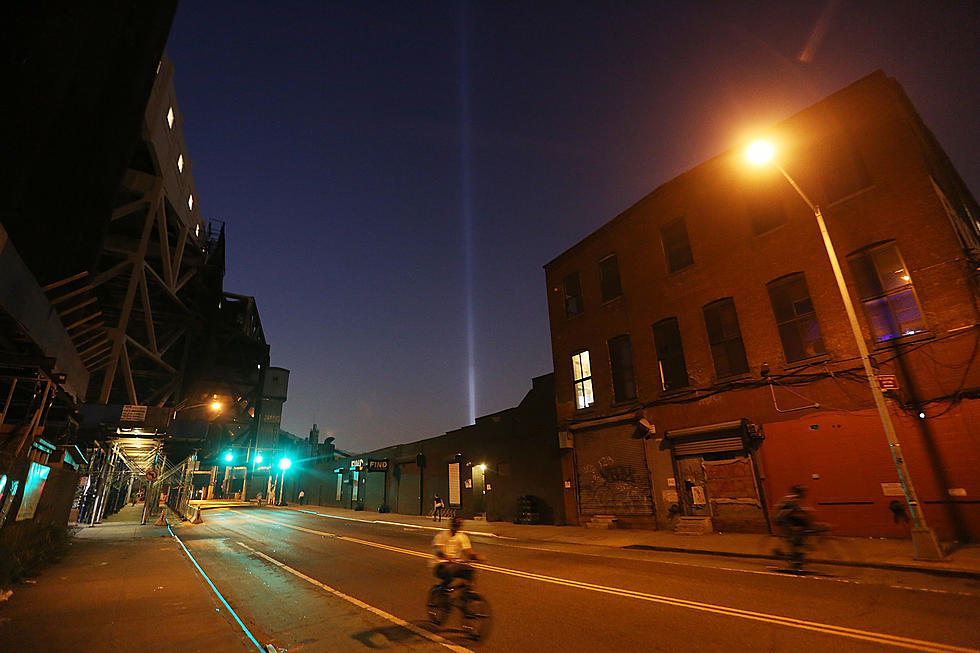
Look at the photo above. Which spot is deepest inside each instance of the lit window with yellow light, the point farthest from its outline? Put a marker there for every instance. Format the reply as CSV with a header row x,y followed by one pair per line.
x,y
582,377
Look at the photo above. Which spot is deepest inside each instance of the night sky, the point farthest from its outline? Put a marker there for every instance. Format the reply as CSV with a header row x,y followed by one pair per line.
x,y
394,175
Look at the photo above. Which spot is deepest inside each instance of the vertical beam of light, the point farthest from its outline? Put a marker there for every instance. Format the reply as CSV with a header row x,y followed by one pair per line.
x,y
819,32
467,205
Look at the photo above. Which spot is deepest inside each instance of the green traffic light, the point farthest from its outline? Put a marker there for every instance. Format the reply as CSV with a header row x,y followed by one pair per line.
x,y
229,457
285,464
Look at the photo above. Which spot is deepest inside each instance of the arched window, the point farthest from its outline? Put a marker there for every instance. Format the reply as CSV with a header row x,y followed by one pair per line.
x,y
885,287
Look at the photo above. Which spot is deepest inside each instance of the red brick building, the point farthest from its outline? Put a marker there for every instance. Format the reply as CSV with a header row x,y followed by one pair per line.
x,y
703,358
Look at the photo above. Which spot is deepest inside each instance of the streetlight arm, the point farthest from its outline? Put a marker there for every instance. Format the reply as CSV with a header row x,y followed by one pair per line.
x,y
799,191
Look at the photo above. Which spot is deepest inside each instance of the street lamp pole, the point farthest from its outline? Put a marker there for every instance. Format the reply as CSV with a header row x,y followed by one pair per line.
x,y
924,540
284,464
248,458
282,483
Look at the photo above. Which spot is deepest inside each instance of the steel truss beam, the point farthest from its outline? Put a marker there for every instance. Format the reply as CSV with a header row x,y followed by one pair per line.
x,y
157,268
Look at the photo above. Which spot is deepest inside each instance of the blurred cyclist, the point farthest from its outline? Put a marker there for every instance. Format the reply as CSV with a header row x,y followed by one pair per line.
x,y
795,523
791,517
451,551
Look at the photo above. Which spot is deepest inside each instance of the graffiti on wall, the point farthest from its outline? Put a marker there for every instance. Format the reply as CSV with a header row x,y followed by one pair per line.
x,y
614,488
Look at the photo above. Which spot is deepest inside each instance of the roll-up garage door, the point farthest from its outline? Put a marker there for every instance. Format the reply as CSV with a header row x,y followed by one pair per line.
x,y
408,489
698,447
613,477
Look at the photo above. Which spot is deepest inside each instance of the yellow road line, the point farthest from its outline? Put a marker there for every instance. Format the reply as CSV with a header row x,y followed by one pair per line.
x,y
829,629
879,638
385,546
278,523
361,604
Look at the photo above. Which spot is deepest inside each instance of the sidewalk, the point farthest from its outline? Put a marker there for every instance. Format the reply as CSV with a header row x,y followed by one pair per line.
x,y
879,553
122,587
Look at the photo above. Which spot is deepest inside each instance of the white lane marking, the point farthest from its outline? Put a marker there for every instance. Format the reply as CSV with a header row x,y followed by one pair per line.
x,y
361,604
934,591
216,592
758,572
830,629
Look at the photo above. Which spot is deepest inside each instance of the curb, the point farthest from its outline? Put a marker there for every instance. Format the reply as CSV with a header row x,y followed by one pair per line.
x,y
891,566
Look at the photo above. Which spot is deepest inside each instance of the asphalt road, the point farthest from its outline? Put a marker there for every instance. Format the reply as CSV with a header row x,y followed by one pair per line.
x,y
306,582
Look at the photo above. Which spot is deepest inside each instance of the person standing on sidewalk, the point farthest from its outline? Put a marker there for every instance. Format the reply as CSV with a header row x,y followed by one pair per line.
x,y
302,497
437,507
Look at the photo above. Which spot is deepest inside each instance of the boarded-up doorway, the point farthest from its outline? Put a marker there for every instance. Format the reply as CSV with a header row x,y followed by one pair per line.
x,y
716,475
722,486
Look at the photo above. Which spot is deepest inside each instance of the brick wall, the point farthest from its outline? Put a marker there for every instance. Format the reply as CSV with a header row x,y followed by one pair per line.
x,y
936,369
843,458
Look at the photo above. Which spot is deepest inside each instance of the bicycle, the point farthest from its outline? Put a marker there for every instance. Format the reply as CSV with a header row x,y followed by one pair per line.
x,y
799,540
460,594
447,513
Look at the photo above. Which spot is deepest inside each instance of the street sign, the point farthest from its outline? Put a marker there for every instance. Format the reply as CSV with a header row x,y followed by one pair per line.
x,y
887,382
151,474
377,465
132,413
892,490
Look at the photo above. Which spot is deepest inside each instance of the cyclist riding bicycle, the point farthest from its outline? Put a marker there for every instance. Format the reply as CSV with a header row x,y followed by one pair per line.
x,y
791,517
451,551
795,523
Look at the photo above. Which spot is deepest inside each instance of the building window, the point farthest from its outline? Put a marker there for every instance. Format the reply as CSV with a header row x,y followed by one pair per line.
x,y
886,291
609,278
763,202
621,360
670,354
573,295
180,162
677,247
795,317
190,202
170,117
842,169
725,337
582,375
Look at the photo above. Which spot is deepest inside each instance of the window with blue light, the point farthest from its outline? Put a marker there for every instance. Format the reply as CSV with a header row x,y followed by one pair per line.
x,y
887,294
